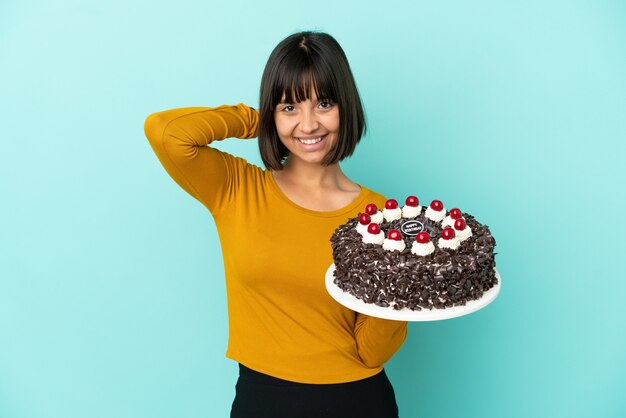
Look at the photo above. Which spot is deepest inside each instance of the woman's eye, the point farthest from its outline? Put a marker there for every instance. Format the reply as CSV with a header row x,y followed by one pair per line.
x,y
288,108
326,105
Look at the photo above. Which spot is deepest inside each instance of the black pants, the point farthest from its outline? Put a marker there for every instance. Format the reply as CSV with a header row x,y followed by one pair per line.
x,y
261,396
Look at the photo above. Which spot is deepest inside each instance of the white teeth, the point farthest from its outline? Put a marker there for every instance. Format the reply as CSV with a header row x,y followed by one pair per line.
x,y
310,141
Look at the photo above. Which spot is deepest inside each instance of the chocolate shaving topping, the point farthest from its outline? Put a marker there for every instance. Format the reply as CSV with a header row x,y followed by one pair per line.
x,y
440,280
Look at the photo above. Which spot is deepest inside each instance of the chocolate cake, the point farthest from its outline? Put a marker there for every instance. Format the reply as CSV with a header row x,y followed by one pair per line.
x,y
414,259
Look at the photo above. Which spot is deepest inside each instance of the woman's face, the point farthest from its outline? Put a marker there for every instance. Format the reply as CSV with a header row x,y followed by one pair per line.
x,y
308,129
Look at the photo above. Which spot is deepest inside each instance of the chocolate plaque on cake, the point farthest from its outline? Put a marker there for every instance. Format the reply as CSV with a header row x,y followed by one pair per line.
x,y
412,228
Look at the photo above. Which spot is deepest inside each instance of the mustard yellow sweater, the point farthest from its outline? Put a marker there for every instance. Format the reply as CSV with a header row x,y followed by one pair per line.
x,y
282,322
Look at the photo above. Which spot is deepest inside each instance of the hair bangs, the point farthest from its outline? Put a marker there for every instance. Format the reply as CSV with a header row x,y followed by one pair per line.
x,y
300,77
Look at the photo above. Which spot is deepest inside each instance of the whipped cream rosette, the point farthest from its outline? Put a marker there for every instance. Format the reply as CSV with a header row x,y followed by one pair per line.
x,y
394,241
364,221
436,212
374,234
391,212
462,230
452,216
375,215
422,245
411,207
448,239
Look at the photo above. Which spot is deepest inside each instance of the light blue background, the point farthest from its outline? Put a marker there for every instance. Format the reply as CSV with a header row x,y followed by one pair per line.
x,y
112,301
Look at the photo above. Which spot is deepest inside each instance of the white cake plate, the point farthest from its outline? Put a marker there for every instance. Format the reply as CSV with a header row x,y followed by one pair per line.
x,y
406,314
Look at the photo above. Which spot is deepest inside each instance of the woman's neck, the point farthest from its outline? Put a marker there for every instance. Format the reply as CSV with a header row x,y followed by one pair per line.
x,y
313,175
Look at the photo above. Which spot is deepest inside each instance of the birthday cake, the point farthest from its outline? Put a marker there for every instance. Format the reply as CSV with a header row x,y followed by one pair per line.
x,y
414,257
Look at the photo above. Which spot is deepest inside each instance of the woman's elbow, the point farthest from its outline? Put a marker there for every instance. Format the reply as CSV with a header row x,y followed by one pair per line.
x,y
372,363
373,360
153,126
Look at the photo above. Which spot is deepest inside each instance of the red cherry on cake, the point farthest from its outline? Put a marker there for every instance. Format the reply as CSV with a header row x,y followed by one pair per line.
x,y
422,238
456,213
373,228
391,204
371,209
364,219
412,201
447,233
436,205
394,234
459,224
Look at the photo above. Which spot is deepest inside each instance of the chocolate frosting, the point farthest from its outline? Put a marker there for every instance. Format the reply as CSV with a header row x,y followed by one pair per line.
x,y
442,279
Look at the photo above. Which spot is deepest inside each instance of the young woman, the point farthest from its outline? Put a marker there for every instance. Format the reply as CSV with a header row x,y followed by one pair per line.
x,y
301,354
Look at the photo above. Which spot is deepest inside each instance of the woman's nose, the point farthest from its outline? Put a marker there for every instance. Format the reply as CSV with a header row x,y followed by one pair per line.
x,y
309,122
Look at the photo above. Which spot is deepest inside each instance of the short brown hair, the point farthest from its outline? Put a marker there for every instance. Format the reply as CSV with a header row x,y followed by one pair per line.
x,y
301,62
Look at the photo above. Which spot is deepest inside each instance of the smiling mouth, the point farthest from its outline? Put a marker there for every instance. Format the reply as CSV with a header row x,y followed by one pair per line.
x,y
312,140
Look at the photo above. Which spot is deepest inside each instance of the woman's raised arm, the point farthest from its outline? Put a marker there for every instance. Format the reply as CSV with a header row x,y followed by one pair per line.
x,y
180,139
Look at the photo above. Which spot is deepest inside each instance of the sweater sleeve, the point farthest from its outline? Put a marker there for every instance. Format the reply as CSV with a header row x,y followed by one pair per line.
x,y
378,339
180,139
